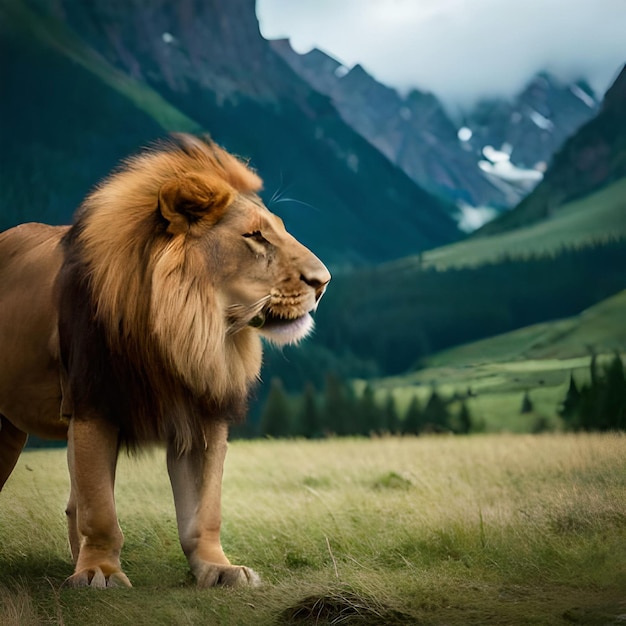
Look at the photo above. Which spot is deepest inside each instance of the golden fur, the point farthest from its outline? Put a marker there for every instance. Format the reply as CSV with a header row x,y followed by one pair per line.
x,y
185,305
141,323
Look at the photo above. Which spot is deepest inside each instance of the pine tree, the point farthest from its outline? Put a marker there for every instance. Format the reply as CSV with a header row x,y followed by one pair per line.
x,y
436,415
527,404
390,415
601,404
613,403
464,419
593,368
275,419
350,404
309,424
589,406
368,413
413,423
571,404
335,406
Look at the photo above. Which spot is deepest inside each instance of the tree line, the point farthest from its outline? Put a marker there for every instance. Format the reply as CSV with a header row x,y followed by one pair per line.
x,y
389,318
339,410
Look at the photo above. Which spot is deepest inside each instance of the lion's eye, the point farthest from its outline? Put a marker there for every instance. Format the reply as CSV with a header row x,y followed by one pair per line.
x,y
256,235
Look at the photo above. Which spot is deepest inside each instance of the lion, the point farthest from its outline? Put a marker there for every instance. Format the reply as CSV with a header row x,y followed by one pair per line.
x,y
140,324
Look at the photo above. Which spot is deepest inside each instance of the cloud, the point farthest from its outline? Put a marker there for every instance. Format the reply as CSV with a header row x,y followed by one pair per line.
x,y
459,49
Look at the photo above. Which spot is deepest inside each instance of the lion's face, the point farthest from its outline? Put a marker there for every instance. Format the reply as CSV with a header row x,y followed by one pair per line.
x,y
265,277
270,280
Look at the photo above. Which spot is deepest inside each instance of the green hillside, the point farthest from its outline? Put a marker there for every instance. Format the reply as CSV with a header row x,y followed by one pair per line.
x,y
63,125
598,217
397,314
537,360
601,328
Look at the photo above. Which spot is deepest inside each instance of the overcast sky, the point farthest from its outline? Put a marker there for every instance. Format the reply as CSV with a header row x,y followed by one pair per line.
x,y
459,49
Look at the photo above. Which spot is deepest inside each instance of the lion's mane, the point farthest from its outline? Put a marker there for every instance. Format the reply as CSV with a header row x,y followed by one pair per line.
x,y
143,332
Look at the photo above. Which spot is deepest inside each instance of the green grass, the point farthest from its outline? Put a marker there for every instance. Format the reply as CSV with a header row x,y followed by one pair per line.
x,y
598,217
435,530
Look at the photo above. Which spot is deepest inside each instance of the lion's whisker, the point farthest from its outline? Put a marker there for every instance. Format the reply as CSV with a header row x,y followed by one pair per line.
x,y
306,204
280,190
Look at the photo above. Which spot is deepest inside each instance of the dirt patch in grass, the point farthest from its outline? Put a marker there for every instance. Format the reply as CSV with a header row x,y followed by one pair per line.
x,y
345,609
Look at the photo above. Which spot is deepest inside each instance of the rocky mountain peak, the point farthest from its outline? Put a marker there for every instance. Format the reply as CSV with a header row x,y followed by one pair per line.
x,y
495,157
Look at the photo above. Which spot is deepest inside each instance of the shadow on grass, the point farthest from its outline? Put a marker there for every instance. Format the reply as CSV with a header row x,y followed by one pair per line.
x,y
34,568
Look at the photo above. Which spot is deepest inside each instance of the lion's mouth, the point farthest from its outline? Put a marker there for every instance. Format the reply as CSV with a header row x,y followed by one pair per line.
x,y
281,329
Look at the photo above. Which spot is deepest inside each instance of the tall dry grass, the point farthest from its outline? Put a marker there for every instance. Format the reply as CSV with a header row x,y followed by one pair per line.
x,y
455,530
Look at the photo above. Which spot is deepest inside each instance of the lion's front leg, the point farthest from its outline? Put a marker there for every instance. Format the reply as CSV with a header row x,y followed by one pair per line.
x,y
95,536
196,478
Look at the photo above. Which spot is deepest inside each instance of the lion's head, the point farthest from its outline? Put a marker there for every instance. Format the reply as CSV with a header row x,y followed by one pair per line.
x,y
185,268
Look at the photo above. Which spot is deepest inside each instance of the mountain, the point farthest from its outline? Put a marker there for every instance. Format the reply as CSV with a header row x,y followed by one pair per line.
x,y
414,132
592,158
91,82
495,157
528,130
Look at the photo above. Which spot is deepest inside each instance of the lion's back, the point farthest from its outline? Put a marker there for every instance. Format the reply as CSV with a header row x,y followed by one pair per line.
x,y
30,259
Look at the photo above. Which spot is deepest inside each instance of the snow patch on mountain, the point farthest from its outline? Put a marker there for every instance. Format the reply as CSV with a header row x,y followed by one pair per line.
x,y
498,163
581,94
471,218
541,121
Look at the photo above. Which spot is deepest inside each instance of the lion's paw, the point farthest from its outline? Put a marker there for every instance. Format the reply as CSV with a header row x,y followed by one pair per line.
x,y
96,579
213,575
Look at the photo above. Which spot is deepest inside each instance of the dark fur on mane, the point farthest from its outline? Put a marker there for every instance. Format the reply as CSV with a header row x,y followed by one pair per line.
x,y
133,389
119,374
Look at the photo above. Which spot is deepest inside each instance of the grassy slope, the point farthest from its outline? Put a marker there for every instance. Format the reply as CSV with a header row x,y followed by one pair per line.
x,y
600,327
55,35
537,359
496,529
597,217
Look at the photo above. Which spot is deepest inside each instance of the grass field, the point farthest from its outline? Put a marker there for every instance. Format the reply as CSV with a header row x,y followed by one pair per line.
x,y
498,529
497,389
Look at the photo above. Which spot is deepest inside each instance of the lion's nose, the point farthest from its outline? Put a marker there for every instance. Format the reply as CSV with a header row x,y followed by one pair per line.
x,y
316,275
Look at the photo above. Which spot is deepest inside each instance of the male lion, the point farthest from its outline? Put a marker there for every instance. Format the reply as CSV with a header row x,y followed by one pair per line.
x,y
140,324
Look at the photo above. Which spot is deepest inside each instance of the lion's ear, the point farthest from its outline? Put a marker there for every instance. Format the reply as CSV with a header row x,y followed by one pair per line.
x,y
185,200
